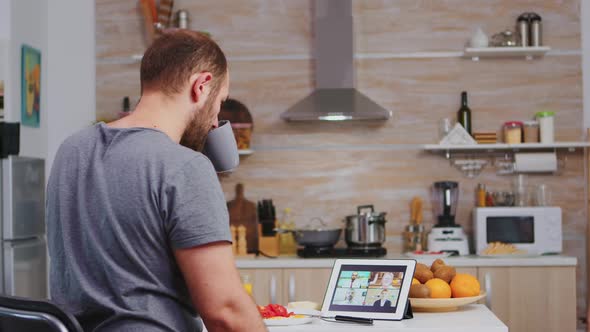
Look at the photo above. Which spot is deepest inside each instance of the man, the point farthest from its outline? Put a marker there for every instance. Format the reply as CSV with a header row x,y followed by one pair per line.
x,y
134,217
350,296
383,301
355,282
386,279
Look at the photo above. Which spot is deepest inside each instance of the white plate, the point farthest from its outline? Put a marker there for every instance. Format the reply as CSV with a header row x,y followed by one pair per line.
x,y
427,255
287,321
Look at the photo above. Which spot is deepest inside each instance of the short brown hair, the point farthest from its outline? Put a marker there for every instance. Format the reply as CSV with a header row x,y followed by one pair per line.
x,y
169,62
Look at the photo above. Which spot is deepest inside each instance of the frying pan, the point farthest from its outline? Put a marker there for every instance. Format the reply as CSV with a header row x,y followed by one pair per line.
x,y
316,236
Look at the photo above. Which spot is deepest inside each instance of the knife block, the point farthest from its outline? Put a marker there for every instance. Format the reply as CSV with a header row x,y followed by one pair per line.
x,y
268,244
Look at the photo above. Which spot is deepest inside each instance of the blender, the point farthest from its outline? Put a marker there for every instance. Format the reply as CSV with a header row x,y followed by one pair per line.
x,y
446,235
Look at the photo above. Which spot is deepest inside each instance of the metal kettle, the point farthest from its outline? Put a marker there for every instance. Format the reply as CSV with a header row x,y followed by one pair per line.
x,y
365,229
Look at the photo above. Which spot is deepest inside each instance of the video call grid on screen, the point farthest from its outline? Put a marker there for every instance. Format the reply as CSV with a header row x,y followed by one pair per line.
x,y
372,289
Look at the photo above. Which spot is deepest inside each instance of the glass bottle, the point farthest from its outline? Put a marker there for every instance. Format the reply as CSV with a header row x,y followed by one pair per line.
x,y
464,113
126,109
1,100
247,284
481,195
287,244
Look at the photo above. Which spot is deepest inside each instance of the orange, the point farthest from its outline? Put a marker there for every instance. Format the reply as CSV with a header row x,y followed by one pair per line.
x,y
464,285
415,281
439,289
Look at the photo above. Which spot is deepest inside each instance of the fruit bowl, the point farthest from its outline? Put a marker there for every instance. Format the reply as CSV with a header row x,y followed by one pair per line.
x,y
443,305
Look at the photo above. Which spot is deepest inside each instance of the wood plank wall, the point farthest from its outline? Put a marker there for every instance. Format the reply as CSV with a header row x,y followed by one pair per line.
x,y
327,169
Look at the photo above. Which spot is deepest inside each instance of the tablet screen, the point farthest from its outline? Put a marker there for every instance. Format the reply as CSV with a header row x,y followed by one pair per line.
x,y
368,288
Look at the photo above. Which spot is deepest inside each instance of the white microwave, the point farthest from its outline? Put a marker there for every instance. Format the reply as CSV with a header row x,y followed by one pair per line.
x,y
537,230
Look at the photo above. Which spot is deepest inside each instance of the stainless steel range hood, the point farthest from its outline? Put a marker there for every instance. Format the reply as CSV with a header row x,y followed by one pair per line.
x,y
335,97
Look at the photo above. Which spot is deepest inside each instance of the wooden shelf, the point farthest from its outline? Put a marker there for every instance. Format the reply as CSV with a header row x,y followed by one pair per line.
x,y
502,52
503,147
473,53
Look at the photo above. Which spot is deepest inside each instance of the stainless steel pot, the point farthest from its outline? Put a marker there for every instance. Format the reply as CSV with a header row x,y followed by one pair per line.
x,y
365,229
319,236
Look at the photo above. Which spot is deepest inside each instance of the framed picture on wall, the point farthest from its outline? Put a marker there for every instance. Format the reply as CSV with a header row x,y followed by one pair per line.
x,y
30,87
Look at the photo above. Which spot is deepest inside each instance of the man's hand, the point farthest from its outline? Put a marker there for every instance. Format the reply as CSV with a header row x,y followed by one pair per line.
x,y
216,289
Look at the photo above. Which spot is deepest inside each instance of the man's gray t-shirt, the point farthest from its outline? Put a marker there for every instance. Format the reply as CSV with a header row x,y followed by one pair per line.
x,y
119,201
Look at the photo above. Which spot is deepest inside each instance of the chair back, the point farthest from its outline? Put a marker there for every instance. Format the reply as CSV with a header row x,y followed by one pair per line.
x,y
21,314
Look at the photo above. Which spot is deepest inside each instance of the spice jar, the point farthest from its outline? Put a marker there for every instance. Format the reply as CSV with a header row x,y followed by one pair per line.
x,y
546,129
531,131
513,132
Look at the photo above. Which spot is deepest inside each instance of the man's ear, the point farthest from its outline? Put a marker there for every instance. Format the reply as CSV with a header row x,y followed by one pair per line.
x,y
200,86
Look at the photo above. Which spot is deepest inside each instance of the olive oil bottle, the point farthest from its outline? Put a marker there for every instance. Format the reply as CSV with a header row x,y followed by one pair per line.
x,y
464,113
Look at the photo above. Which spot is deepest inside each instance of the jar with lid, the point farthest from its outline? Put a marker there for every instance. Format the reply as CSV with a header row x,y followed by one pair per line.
x,y
513,132
546,127
504,38
531,131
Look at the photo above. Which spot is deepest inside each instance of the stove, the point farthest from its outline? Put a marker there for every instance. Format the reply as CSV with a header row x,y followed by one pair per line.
x,y
331,252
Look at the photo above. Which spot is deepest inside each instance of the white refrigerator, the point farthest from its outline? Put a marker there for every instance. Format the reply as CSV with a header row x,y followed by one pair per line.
x,y
24,246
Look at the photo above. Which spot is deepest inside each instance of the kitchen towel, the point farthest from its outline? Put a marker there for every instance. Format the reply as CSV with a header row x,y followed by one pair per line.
x,y
535,162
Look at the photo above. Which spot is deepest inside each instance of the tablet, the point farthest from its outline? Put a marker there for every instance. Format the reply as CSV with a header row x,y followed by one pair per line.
x,y
369,288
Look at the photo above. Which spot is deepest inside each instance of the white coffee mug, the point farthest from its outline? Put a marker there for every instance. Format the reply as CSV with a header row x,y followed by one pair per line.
x,y
221,148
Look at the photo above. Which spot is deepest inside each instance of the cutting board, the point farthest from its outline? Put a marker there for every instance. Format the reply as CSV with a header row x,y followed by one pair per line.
x,y
243,212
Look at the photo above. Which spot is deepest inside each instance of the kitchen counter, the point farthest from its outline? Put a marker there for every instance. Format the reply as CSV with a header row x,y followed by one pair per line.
x,y
251,262
475,317
510,283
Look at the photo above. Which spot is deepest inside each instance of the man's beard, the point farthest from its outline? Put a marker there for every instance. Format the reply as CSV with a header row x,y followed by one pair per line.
x,y
195,134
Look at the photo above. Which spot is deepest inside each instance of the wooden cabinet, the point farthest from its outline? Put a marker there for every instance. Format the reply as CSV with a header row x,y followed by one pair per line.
x,y
299,284
288,285
535,298
305,284
532,298
267,285
467,270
